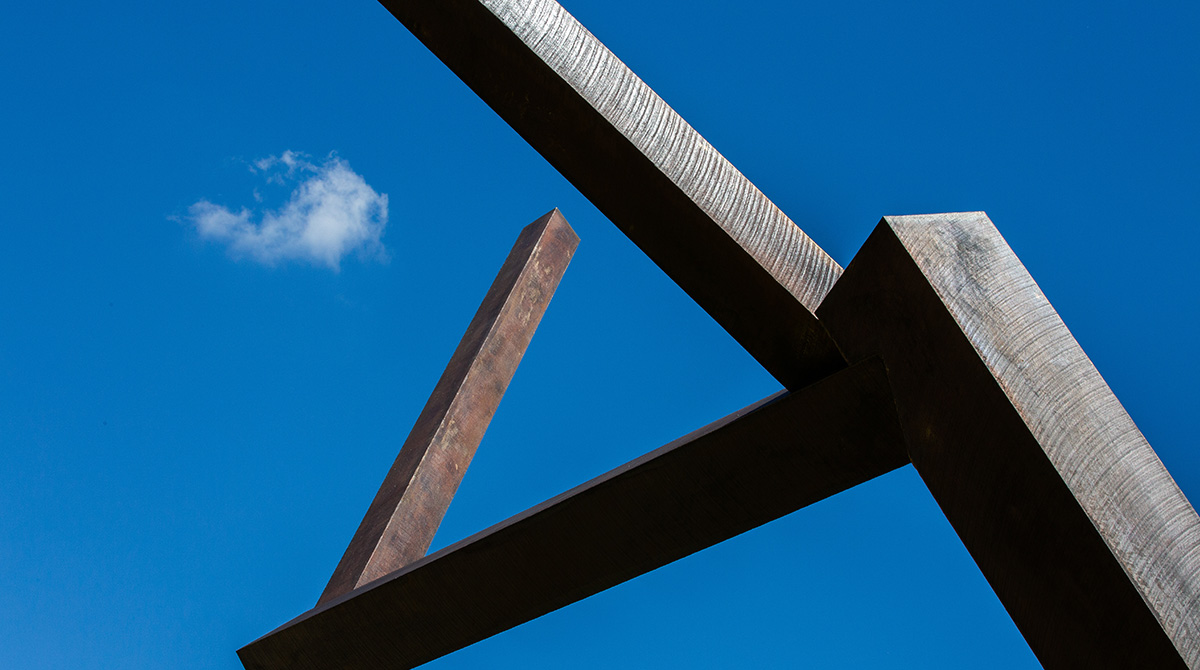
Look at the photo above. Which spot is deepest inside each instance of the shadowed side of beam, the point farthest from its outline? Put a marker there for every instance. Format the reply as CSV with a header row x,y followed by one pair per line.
x,y
756,465
696,216
1070,515
407,510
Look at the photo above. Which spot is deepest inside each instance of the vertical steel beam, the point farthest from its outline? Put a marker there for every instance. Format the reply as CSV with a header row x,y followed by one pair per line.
x,y
699,219
1067,510
407,510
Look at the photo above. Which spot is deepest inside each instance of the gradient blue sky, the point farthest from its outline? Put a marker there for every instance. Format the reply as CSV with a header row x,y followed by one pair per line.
x,y
190,437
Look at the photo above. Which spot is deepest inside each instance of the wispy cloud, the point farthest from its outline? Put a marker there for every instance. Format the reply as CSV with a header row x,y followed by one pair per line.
x,y
331,212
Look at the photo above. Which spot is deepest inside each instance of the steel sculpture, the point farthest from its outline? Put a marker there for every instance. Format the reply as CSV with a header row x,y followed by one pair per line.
x,y
935,347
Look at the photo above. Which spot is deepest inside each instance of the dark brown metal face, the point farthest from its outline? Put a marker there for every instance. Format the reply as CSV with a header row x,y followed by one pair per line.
x,y
1062,503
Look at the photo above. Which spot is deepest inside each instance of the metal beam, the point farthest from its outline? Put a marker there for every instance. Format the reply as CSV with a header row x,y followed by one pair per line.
x,y
753,466
1067,510
699,219
406,512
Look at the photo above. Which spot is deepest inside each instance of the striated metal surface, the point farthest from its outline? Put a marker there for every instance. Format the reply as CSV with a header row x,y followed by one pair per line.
x,y
699,219
1067,510
406,512
675,148
769,459
1145,519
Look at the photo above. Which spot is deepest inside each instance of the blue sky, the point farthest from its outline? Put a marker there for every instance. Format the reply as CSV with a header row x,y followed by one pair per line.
x,y
194,419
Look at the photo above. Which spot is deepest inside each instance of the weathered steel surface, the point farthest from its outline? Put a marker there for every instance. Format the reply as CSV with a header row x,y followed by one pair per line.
x,y
407,510
699,219
1068,512
1079,528
753,466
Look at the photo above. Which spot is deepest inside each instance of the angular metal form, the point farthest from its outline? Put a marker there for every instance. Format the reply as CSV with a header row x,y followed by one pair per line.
x,y
409,507
769,459
699,219
960,364
1069,513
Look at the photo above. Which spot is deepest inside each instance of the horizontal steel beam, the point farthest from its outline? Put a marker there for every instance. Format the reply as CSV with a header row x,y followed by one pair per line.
x,y
675,196
758,464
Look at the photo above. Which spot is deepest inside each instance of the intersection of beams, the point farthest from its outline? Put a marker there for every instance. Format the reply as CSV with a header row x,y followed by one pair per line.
x,y
756,465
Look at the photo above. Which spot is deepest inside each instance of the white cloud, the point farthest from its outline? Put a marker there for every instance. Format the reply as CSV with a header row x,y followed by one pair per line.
x,y
330,214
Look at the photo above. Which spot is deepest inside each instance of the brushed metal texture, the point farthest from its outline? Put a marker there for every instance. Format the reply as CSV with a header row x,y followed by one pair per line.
x,y
682,203
1067,510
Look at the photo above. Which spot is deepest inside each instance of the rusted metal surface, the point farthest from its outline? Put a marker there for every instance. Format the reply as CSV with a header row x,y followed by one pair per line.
x,y
1067,510
407,510
769,459
674,195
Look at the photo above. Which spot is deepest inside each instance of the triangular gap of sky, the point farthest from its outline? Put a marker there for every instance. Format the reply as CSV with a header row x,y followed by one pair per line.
x,y
190,437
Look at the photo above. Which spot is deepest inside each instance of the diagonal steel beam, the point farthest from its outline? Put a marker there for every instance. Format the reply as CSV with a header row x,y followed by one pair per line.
x,y
769,459
699,219
407,510
1065,507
